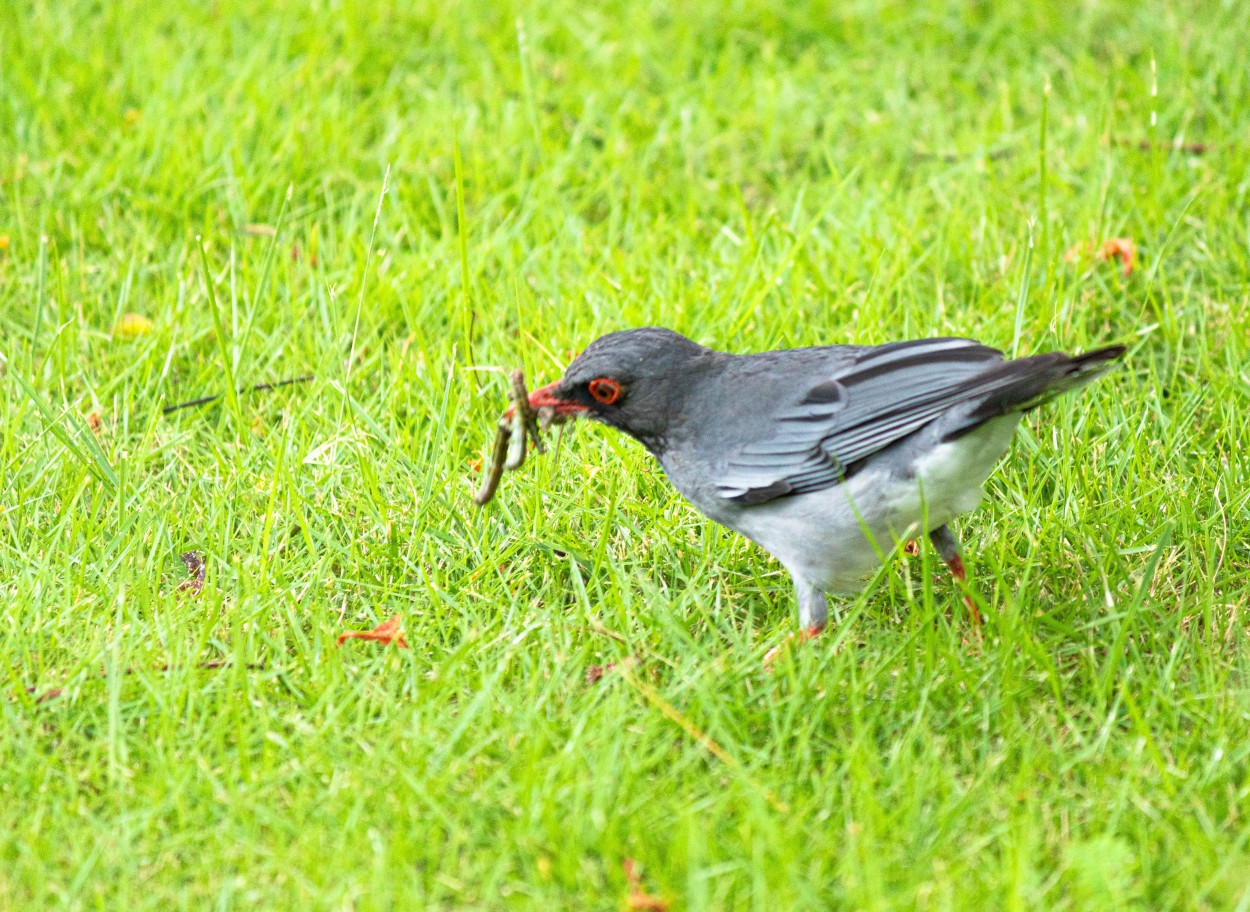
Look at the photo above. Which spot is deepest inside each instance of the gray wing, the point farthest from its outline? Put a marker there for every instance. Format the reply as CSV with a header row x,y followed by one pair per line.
x,y
883,395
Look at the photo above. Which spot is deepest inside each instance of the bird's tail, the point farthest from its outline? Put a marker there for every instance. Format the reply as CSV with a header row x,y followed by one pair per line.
x,y
1078,371
1024,384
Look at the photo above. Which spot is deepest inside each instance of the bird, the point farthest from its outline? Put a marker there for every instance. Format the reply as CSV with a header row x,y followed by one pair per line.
x,y
826,456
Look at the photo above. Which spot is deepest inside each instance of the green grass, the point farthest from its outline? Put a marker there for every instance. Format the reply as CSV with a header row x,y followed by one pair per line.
x,y
753,175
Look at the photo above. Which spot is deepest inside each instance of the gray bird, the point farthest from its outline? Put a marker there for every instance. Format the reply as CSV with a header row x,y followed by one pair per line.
x,y
825,457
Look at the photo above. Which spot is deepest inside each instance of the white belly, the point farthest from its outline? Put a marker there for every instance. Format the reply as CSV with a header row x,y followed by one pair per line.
x,y
837,536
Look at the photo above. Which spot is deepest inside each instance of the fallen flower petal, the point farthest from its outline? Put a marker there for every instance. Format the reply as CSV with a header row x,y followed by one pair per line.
x,y
132,326
1122,249
638,899
386,632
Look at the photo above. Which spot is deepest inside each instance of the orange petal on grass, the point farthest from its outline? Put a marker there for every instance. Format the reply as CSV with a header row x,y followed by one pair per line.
x,y
1122,249
638,899
386,632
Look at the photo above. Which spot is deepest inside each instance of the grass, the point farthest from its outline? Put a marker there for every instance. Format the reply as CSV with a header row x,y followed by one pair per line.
x,y
389,195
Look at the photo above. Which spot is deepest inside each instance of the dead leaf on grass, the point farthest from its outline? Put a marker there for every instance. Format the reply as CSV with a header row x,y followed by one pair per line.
x,y
194,562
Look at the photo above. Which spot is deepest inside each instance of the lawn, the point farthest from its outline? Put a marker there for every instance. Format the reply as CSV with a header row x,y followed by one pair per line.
x,y
394,197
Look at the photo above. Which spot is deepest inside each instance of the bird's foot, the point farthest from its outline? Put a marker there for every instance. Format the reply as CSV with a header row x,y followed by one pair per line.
x,y
971,605
793,639
948,547
956,565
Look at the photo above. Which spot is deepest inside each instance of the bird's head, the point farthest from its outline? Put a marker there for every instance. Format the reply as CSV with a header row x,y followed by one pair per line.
x,y
635,380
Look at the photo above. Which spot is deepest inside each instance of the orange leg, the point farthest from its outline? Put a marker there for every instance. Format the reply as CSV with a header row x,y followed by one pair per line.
x,y
948,547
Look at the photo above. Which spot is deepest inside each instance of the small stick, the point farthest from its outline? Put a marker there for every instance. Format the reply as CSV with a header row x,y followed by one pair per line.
x,y
1146,145
211,665
258,388
949,159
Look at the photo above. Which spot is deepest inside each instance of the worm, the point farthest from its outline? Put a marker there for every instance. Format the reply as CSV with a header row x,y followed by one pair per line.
x,y
513,435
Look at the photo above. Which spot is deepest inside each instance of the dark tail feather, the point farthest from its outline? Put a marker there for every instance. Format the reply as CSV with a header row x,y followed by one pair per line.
x,y
1029,382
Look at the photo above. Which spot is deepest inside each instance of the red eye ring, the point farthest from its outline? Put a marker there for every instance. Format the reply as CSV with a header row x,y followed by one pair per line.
x,y
605,390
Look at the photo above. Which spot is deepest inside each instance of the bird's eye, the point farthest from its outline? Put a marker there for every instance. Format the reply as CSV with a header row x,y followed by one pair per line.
x,y
605,390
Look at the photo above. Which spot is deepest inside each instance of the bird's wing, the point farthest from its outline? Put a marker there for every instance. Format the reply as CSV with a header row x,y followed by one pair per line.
x,y
884,394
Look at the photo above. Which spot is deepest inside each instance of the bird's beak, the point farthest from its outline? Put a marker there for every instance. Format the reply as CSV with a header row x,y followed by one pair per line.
x,y
544,397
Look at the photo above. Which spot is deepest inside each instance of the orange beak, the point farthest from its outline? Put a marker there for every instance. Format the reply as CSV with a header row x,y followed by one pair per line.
x,y
543,397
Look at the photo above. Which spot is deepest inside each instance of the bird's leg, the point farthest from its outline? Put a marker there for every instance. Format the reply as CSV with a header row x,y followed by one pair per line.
x,y
948,547
813,609
813,615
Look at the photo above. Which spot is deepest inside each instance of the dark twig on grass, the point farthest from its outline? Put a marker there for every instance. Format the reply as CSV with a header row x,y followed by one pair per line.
x,y
951,158
259,387
1147,145
212,665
